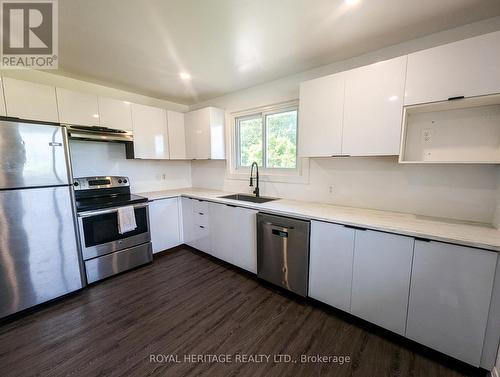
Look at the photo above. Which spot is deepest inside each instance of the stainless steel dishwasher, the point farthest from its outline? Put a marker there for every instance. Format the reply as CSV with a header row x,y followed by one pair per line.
x,y
283,252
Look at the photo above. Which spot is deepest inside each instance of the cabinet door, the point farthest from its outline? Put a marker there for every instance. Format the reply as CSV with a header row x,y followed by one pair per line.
x,y
164,224
373,108
217,136
150,132
176,135
330,268
450,297
77,108
243,231
321,116
2,100
233,235
197,125
115,113
381,278
27,100
188,234
465,68
220,234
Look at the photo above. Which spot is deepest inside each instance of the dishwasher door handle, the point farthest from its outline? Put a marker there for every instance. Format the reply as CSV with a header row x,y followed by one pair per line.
x,y
280,232
279,227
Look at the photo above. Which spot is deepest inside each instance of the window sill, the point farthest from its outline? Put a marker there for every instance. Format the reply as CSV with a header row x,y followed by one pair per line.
x,y
300,176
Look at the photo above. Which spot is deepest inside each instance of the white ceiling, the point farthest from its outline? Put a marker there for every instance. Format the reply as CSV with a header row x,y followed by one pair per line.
x,y
227,45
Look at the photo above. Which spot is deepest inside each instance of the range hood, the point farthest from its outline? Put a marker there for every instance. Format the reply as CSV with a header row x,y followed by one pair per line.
x,y
97,133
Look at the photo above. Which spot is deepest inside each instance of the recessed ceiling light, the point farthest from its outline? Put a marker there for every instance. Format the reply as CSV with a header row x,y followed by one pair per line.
x,y
184,75
351,2
393,98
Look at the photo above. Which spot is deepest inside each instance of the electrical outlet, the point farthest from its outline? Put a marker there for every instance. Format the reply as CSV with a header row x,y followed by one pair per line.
x,y
426,136
330,189
164,176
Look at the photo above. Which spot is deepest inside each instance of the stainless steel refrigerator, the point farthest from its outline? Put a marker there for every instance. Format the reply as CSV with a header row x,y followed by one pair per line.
x,y
39,255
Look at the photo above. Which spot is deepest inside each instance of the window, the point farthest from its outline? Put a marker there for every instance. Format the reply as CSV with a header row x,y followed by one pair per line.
x,y
268,138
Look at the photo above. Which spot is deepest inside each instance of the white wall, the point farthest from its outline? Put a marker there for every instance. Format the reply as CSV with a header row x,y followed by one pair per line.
x,y
94,159
454,191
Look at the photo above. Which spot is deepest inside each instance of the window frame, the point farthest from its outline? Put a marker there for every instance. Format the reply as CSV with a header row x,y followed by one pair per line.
x,y
263,113
300,175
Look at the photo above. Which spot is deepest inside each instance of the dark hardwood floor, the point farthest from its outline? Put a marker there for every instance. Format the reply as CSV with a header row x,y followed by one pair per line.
x,y
186,303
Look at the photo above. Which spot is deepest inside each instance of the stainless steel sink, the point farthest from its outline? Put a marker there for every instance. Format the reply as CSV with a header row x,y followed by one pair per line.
x,y
248,198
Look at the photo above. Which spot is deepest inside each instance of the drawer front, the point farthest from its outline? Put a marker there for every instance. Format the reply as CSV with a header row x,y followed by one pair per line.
x,y
114,263
200,206
201,219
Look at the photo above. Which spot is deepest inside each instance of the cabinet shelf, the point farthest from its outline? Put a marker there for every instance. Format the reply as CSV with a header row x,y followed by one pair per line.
x,y
465,131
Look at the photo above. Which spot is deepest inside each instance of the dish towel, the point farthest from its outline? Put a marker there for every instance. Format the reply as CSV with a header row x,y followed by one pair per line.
x,y
126,219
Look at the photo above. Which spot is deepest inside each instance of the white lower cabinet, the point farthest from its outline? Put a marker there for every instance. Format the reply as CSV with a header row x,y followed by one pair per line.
x,y
450,298
187,221
164,224
381,278
195,225
233,235
330,264
200,226
220,238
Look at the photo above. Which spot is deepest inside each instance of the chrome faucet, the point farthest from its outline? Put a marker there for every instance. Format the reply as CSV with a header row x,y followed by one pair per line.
x,y
256,191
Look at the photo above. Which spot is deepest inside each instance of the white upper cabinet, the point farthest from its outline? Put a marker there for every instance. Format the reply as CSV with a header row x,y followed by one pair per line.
x,y
2,100
381,278
150,132
330,265
373,108
28,100
114,113
466,68
321,116
176,135
205,134
77,108
450,298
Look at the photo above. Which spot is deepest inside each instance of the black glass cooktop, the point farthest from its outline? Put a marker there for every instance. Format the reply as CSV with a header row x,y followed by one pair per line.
x,y
100,202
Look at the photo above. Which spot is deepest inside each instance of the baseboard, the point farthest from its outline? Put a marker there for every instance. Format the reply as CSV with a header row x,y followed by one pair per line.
x,y
494,372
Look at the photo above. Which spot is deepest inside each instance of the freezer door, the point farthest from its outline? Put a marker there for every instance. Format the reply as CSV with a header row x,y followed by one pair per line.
x,y
39,257
32,155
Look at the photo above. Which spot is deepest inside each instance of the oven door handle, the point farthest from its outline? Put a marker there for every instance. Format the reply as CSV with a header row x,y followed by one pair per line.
x,y
105,211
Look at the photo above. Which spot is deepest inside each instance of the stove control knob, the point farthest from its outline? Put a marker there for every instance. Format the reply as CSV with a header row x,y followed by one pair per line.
x,y
124,181
76,184
119,181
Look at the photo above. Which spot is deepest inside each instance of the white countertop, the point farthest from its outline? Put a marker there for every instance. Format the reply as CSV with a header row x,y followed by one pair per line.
x,y
446,230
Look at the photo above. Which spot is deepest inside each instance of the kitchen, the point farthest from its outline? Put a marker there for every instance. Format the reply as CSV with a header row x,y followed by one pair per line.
x,y
266,216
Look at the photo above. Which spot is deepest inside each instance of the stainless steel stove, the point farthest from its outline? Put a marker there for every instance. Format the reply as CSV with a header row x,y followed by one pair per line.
x,y
105,250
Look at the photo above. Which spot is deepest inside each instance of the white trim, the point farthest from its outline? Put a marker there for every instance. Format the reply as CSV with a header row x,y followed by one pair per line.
x,y
298,175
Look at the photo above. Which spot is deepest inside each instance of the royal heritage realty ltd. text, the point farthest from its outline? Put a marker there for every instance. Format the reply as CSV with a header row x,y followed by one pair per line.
x,y
248,358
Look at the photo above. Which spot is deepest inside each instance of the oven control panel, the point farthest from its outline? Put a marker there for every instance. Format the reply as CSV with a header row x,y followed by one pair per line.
x,y
92,183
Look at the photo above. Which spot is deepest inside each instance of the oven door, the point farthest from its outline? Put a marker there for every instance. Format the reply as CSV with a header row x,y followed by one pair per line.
x,y
99,231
